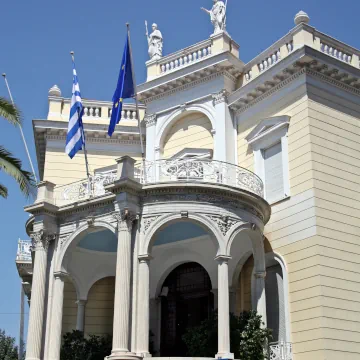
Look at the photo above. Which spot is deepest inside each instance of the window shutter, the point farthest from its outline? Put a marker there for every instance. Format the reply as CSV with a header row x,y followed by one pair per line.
x,y
274,177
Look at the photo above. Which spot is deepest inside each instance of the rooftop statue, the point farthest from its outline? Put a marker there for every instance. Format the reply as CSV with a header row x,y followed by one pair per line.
x,y
155,41
217,16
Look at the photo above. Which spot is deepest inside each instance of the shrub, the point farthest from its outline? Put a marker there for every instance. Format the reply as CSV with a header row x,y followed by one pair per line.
x,y
247,337
76,347
8,350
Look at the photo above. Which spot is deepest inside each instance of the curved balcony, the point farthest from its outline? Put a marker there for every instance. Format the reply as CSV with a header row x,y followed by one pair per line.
x,y
195,170
164,171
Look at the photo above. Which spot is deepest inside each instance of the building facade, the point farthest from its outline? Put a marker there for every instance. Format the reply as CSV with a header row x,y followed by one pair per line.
x,y
247,199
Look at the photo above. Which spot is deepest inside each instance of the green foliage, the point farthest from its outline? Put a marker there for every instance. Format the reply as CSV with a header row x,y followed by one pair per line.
x,y
8,163
247,338
76,347
8,350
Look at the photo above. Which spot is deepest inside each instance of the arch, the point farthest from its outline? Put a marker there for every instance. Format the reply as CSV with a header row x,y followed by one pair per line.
x,y
275,257
256,238
182,258
167,219
170,120
82,230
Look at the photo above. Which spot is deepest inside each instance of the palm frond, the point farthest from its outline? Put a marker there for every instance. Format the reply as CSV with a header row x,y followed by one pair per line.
x,y
12,167
3,191
9,112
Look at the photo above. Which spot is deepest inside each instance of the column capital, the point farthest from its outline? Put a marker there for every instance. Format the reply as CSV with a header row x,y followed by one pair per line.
x,y
260,275
145,258
223,258
125,219
220,97
81,302
60,275
150,120
41,240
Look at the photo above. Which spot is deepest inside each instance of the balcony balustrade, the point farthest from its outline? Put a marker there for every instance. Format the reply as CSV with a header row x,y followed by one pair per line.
x,y
23,250
164,171
280,351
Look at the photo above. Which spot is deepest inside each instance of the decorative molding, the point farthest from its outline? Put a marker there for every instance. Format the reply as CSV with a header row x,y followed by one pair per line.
x,y
148,221
63,239
224,223
150,120
319,73
125,219
61,275
220,97
41,240
184,214
105,139
220,72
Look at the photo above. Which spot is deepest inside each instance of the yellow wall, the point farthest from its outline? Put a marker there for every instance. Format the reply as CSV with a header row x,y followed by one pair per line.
x,y
317,229
191,131
61,170
69,308
99,311
243,291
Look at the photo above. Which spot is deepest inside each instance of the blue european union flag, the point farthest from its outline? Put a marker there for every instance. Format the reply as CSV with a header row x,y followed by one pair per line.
x,y
125,88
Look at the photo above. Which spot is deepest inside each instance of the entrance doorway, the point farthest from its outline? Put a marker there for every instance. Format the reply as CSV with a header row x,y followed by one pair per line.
x,y
186,301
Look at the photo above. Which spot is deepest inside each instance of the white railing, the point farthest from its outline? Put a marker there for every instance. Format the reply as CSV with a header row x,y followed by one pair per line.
x,y
269,61
208,171
280,351
92,111
24,250
125,114
185,57
335,52
83,189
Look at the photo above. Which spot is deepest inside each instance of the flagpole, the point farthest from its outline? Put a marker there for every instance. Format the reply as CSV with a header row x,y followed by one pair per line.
x,y
21,130
85,151
135,96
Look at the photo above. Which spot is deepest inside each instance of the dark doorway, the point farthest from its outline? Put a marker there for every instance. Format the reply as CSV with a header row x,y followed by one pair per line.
x,y
187,301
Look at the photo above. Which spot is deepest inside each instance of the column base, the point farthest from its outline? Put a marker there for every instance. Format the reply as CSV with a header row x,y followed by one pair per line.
x,y
123,356
144,355
224,356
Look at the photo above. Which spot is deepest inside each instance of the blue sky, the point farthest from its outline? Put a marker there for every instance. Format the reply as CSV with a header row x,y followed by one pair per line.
x,y
37,37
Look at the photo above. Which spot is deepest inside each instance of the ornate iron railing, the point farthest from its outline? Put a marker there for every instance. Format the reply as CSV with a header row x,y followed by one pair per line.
x,y
84,189
280,351
24,250
208,171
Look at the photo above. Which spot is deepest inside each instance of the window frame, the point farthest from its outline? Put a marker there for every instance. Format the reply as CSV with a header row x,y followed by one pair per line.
x,y
266,134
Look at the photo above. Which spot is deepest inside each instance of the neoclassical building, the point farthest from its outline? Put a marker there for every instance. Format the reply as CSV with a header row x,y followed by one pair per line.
x,y
248,199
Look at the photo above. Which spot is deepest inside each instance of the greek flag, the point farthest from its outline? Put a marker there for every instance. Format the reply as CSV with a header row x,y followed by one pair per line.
x,y
75,137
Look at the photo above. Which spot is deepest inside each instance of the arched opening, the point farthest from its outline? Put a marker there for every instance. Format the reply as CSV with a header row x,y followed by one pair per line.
x,y
186,300
192,132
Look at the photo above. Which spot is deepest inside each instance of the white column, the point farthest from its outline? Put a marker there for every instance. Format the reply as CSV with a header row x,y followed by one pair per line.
x,y
57,317
80,316
260,297
121,329
143,306
223,309
36,316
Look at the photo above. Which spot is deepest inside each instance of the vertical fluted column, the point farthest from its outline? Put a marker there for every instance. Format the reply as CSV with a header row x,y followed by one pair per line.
x,y
143,306
121,329
57,316
40,244
80,317
260,296
223,309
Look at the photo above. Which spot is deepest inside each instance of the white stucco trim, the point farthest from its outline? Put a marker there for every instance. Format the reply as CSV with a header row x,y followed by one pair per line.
x,y
266,134
279,259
